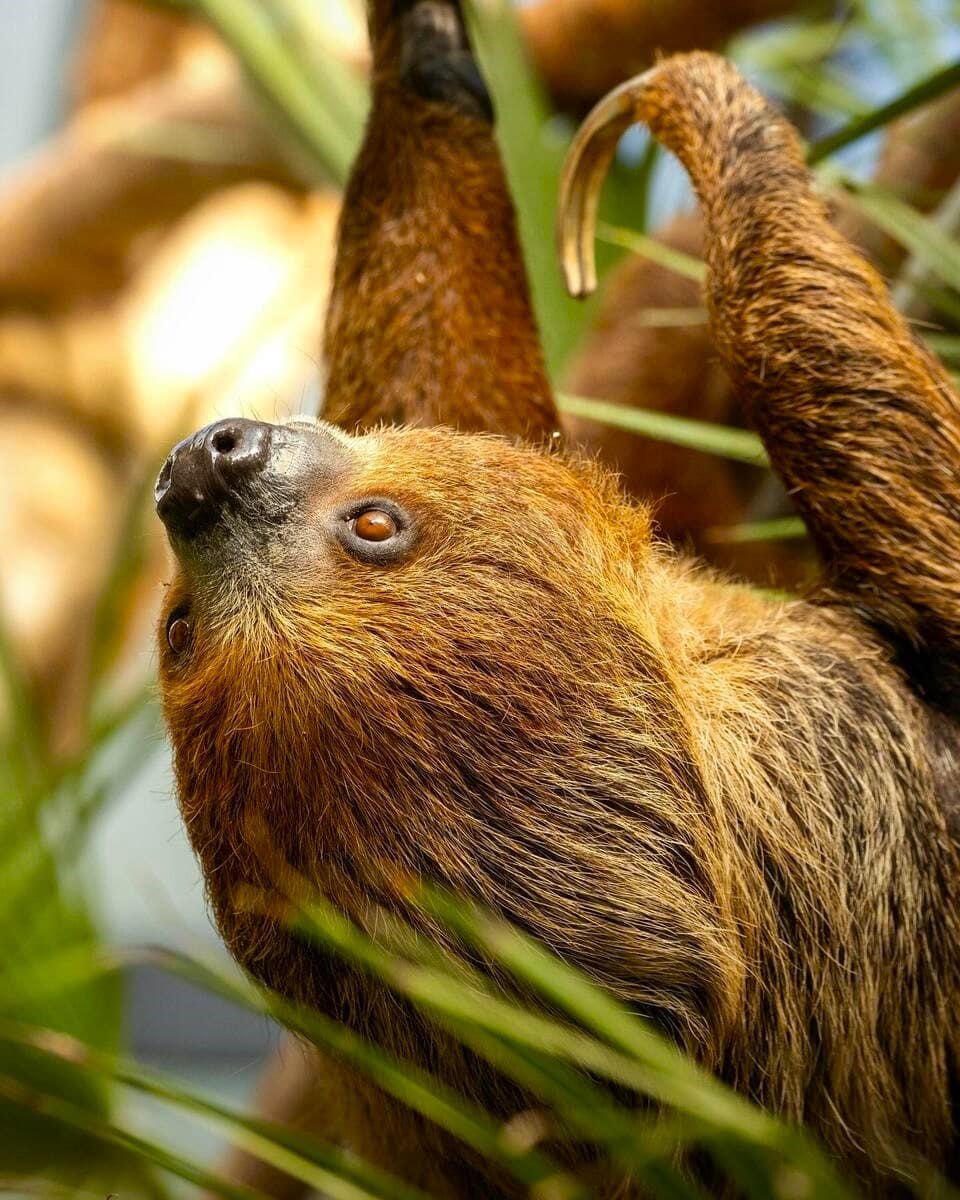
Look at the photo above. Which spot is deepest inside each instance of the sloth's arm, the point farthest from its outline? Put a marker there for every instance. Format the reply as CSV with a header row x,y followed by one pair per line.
x,y
430,320
861,423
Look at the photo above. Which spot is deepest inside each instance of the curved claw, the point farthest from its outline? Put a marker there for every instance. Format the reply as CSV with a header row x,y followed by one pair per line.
x,y
586,168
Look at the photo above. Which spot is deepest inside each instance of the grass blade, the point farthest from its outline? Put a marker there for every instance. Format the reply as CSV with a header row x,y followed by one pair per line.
x,y
738,444
656,251
293,91
23,749
533,155
111,1134
408,1084
777,529
939,252
670,318
946,345
920,93
326,1168
539,1053
914,273
699,1095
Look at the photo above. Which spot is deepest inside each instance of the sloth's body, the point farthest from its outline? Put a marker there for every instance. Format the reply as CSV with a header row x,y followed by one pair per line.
x,y
733,812
428,652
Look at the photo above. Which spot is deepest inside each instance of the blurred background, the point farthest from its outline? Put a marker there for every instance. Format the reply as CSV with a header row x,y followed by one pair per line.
x,y
170,180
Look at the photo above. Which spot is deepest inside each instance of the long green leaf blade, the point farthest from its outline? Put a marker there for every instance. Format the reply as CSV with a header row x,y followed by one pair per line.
x,y
737,444
921,93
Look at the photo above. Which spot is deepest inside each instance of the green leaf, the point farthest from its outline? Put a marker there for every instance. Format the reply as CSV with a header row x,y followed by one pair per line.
x,y
648,247
670,318
102,1130
777,529
819,89
939,252
915,272
406,1083
943,299
946,345
695,1093
738,444
320,107
533,151
533,1049
929,88
24,754
336,1173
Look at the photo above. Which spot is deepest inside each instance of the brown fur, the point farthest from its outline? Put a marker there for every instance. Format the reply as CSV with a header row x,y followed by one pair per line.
x,y
629,362
430,319
675,369
735,814
795,313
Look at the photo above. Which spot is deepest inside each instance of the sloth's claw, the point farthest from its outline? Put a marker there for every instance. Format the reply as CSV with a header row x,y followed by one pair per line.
x,y
586,168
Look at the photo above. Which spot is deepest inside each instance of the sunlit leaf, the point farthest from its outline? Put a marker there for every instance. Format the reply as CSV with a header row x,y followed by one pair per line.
x,y
321,108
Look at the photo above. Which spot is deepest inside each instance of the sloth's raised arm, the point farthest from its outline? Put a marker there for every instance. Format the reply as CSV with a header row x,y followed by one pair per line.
x,y
430,320
861,423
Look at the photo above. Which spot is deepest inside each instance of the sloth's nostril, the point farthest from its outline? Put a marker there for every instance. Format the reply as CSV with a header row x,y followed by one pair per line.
x,y
204,472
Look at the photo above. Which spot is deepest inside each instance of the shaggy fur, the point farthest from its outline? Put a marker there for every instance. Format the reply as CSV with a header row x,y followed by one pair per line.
x,y
430,320
674,369
734,813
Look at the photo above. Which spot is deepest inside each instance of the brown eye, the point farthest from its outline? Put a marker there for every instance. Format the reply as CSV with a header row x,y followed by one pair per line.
x,y
375,525
178,634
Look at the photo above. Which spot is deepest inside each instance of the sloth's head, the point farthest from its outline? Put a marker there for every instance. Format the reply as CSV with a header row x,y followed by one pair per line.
x,y
423,653
396,568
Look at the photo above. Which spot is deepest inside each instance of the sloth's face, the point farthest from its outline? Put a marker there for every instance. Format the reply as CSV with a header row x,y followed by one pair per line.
x,y
385,618
351,615
299,533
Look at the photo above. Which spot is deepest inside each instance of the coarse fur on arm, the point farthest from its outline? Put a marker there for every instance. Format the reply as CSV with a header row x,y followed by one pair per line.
x,y
861,423
836,716
430,319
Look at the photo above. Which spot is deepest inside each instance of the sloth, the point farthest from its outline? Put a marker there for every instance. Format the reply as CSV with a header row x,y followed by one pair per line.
x,y
449,655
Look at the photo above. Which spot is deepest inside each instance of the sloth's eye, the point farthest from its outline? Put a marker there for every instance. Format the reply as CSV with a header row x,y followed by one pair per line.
x,y
375,525
178,631
377,531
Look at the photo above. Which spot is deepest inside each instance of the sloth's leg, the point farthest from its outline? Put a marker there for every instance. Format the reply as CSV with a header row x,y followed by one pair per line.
x,y
861,422
430,319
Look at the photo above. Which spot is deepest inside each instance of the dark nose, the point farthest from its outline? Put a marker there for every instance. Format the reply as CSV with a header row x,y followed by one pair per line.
x,y
209,470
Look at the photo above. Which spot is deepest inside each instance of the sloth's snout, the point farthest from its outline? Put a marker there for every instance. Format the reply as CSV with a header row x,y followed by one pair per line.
x,y
217,466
